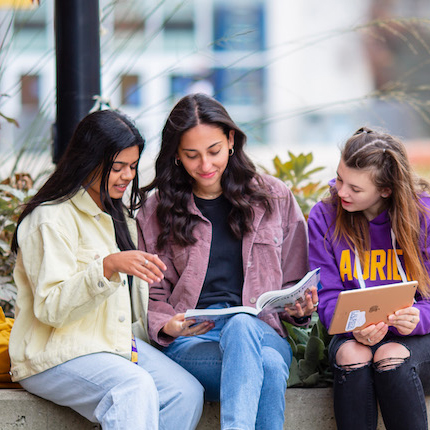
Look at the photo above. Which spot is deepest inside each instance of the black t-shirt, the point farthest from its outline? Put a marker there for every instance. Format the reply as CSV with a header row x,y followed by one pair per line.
x,y
224,276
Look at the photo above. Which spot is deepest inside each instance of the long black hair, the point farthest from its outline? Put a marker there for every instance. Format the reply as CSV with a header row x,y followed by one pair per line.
x,y
174,184
97,140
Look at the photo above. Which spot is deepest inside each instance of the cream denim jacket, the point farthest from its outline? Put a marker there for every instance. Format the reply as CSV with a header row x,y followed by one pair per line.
x,y
65,307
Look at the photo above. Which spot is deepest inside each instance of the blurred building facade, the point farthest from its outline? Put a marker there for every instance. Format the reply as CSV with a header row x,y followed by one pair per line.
x,y
292,74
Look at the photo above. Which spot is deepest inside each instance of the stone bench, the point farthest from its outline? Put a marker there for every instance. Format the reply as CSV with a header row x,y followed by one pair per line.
x,y
307,409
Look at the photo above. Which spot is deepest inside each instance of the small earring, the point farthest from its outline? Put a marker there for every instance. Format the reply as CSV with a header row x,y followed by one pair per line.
x,y
177,161
231,152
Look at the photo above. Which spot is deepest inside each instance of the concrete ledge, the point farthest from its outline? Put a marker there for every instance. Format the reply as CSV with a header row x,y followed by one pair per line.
x,y
307,409
22,410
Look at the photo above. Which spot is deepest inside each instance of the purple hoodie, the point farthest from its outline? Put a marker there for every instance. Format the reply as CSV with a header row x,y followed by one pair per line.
x,y
337,261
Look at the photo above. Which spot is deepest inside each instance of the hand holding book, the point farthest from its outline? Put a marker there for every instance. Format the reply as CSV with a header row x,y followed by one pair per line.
x,y
268,302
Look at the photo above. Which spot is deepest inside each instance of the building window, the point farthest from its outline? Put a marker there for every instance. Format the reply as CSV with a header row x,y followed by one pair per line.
x,y
179,27
30,19
30,91
239,28
130,91
240,86
129,16
30,28
182,85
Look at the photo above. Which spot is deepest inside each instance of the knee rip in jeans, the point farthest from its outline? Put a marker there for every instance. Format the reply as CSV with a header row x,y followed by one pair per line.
x,y
353,366
389,363
346,369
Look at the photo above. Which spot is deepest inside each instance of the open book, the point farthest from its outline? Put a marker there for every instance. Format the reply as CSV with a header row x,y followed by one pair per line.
x,y
268,302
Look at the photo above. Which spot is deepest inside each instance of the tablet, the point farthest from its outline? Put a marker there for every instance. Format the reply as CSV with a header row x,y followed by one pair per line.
x,y
359,308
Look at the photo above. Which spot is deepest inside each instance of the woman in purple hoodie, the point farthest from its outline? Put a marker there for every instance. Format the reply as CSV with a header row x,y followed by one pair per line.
x,y
377,215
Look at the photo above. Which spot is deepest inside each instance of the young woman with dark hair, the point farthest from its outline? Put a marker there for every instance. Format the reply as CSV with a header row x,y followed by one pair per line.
x,y
226,235
373,230
80,328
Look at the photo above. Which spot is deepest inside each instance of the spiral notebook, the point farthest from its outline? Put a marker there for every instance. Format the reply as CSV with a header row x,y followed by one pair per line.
x,y
359,308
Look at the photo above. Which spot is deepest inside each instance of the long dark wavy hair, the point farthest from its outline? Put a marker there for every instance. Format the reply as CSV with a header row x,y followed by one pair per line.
x,y
97,140
386,159
241,184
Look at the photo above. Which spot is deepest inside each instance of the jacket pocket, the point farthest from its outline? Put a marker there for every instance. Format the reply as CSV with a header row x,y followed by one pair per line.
x,y
267,250
269,236
85,256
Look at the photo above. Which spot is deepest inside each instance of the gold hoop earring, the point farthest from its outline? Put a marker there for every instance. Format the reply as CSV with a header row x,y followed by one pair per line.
x,y
231,152
177,161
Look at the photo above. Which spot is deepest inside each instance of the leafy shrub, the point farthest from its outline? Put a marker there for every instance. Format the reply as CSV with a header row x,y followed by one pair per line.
x,y
310,366
14,192
295,174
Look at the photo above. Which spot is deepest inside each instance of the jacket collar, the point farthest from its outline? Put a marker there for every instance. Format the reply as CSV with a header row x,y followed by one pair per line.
x,y
84,202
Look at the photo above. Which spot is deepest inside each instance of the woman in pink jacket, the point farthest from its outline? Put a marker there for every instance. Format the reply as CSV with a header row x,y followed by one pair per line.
x,y
226,235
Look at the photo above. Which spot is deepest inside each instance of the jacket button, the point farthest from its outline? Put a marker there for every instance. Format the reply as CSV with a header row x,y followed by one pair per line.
x,y
252,300
249,264
100,284
96,257
121,318
97,217
276,240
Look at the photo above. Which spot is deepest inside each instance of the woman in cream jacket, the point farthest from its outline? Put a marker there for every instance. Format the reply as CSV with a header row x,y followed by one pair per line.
x,y
80,327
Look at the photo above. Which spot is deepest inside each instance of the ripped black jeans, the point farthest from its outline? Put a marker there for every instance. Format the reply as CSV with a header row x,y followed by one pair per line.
x,y
400,391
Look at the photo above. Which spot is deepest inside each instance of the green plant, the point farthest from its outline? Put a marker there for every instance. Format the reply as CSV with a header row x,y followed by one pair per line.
x,y
296,174
310,366
14,192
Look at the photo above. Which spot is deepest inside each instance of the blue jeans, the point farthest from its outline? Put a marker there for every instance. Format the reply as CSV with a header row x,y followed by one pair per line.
x,y
243,363
118,394
400,391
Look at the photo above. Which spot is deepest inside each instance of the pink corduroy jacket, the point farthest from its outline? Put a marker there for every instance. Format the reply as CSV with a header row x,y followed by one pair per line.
x,y
275,256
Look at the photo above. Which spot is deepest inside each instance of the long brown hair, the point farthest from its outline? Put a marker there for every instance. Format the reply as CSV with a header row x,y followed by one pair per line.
x,y
386,159
241,184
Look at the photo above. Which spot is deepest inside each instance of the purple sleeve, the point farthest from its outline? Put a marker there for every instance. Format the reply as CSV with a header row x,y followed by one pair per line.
x,y
321,254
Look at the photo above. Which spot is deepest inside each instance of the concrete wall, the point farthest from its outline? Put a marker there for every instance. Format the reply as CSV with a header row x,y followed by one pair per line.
x,y
307,409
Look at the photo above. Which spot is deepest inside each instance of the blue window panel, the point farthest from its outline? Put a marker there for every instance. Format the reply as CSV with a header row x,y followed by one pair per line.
x,y
130,88
132,96
239,86
182,85
179,85
239,28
